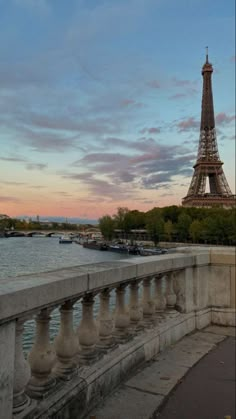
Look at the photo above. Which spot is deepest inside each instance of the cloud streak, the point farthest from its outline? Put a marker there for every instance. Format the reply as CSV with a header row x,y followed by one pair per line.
x,y
36,166
188,124
149,165
7,199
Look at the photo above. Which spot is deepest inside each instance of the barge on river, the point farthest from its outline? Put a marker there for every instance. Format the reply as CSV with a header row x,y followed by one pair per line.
x,y
117,248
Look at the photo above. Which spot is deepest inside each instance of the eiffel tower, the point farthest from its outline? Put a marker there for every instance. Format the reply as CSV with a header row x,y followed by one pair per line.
x,y
208,164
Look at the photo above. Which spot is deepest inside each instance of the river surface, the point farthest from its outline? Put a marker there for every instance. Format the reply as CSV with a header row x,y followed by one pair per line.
x,y
25,255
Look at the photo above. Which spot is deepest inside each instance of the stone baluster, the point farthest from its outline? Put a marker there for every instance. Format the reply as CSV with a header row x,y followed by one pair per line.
x,y
106,340
135,311
87,332
170,294
22,373
121,331
66,344
180,290
41,358
160,299
148,303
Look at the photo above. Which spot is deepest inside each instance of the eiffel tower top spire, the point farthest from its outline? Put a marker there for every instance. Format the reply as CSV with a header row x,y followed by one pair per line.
x,y
207,117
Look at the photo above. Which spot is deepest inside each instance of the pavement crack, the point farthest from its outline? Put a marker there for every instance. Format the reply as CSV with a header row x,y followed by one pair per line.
x,y
145,391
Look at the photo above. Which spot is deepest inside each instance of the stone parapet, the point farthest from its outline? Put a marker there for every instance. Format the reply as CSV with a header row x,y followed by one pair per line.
x,y
169,296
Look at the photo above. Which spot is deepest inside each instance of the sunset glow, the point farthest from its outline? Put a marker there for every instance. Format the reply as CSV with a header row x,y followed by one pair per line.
x,y
100,102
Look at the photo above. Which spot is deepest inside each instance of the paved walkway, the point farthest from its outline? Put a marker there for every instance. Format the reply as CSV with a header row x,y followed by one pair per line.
x,y
206,391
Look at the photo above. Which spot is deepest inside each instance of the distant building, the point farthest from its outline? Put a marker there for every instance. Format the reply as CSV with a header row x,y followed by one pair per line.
x,y
4,217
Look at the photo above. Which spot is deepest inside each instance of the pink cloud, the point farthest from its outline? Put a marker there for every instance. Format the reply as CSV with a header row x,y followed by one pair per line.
x,y
222,118
233,58
152,130
188,124
143,158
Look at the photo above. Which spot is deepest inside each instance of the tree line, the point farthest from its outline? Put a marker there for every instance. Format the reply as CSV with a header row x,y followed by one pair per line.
x,y
174,223
29,225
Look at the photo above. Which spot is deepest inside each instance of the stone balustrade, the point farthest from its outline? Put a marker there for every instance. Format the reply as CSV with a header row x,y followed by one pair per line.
x,y
156,301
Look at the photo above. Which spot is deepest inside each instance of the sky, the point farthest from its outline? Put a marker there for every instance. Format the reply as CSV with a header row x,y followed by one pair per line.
x,y
100,102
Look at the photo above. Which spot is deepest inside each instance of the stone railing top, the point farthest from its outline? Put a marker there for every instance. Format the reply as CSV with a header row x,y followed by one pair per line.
x,y
217,255
24,294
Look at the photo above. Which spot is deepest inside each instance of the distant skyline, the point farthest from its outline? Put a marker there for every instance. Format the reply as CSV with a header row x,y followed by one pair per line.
x,y
100,102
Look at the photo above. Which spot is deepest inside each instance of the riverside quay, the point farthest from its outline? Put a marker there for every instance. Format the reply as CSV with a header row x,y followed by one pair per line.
x,y
129,311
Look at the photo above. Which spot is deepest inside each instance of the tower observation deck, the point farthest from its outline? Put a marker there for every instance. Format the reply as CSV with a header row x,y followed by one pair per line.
x,y
208,164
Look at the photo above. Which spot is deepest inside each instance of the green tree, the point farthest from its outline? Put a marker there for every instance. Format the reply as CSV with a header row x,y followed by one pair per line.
x,y
195,230
136,219
171,213
232,223
168,229
183,224
155,225
107,226
120,217
218,227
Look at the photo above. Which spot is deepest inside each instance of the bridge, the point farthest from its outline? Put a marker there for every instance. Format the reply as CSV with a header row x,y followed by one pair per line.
x,y
50,233
142,307
32,233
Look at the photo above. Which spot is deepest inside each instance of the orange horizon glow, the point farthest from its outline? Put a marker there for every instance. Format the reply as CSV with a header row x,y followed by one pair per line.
x,y
94,212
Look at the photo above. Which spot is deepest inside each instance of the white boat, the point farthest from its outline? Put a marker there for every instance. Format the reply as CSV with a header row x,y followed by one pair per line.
x,y
65,240
151,251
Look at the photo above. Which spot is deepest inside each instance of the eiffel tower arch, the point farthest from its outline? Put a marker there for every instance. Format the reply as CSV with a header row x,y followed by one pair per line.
x,y
208,165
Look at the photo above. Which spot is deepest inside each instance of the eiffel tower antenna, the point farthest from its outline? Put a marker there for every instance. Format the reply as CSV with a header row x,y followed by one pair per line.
x,y
206,54
208,164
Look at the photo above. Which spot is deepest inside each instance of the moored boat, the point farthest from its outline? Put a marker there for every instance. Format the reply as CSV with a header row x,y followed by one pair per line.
x,y
144,251
133,250
95,245
119,248
65,240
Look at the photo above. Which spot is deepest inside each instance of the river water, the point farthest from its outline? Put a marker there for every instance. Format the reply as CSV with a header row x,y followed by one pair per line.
x,y
25,255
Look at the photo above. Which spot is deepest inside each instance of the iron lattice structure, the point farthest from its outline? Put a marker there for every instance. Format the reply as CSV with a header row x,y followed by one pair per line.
x,y
208,165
